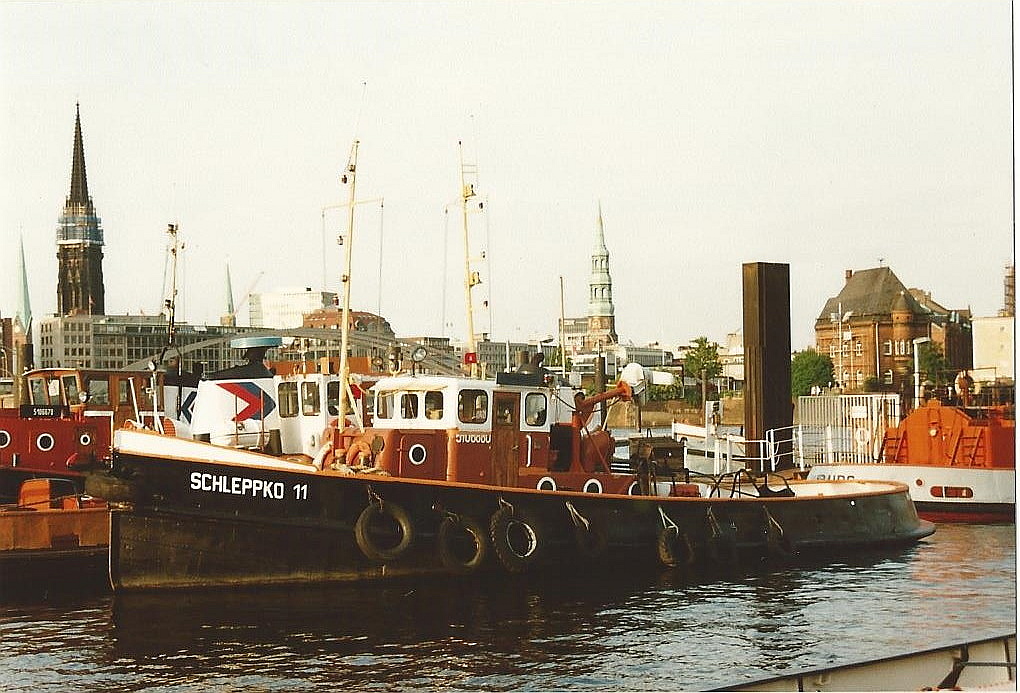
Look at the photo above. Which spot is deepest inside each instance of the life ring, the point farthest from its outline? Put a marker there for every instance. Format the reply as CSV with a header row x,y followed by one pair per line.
x,y
516,538
453,531
366,528
359,449
674,547
862,436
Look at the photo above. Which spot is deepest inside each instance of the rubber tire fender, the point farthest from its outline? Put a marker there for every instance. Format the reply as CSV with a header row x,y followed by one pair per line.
x,y
674,547
499,532
362,529
447,534
591,541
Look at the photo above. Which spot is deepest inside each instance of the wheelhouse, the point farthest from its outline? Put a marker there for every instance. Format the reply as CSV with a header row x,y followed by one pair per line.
x,y
120,395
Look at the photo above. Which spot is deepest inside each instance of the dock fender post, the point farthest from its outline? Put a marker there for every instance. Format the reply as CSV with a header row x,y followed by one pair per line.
x,y
590,534
517,537
373,520
463,545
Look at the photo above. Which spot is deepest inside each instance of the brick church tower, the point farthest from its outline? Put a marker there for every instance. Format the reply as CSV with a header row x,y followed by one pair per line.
x,y
79,243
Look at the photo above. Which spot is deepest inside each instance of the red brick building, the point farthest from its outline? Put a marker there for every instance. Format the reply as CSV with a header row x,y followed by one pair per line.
x,y
868,330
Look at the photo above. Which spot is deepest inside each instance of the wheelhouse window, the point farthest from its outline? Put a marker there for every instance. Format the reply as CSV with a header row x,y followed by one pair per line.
x,y
384,405
333,399
71,388
288,396
37,386
433,405
99,392
409,405
473,406
124,391
535,407
309,398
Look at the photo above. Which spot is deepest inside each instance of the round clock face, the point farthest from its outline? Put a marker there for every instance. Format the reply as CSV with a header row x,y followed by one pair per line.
x,y
419,354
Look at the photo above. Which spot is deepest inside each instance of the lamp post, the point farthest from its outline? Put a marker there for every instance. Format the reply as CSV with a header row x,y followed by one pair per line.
x,y
838,318
917,370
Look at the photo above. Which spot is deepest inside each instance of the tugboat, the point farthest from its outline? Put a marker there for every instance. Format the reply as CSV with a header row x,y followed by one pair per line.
x,y
67,424
303,478
959,462
49,528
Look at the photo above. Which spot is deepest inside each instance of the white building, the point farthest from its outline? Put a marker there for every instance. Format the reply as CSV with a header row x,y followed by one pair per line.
x,y
994,348
286,308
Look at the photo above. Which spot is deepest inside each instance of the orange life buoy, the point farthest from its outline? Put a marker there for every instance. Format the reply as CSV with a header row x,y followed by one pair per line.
x,y
358,450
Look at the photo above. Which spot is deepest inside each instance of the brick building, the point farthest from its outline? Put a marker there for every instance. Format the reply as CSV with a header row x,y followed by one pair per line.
x,y
868,330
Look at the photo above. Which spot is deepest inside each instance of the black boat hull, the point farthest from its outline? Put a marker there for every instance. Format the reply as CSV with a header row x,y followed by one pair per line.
x,y
202,524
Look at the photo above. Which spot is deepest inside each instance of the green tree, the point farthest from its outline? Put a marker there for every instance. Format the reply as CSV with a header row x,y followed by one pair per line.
x,y
933,365
809,368
702,360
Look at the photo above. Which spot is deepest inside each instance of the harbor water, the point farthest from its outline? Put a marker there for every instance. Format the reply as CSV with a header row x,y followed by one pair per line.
x,y
652,631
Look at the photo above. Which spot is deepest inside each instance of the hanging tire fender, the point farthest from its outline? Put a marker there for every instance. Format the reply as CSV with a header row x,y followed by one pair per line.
x,y
517,538
591,541
363,531
674,547
451,530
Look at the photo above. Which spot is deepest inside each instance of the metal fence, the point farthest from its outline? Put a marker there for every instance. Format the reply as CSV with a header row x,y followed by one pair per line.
x,y
845,427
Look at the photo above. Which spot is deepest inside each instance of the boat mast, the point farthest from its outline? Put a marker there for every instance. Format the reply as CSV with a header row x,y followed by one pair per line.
x,y
347,178
170,305
467,191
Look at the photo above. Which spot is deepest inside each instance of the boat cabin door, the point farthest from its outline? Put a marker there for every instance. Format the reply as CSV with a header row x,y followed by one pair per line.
x,y
506,437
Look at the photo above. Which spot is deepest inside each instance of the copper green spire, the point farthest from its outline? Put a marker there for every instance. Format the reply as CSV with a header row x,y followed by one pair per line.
x,y
25,309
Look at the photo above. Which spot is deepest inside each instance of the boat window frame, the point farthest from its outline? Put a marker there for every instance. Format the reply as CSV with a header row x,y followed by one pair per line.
x,y
288,399
410,406
525,416
432,412
98,396
476,395
384,405
70,393
37,390
311,397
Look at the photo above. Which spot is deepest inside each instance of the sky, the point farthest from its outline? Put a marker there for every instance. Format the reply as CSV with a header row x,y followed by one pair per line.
x,y
828,135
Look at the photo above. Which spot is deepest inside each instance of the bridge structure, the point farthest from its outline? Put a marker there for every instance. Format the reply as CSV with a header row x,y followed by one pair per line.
x,y
437,363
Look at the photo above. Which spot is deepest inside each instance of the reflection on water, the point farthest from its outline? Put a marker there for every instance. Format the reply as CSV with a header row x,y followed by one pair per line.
x,y
654,631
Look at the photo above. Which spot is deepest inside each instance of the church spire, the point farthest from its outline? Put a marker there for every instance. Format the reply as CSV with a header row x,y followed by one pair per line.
x,y
25,309
80,287
79,183
601,319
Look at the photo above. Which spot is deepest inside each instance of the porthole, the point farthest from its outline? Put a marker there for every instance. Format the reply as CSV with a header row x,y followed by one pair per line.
x,y
5,439
546,483
592,486
85,440
417,453
44,442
